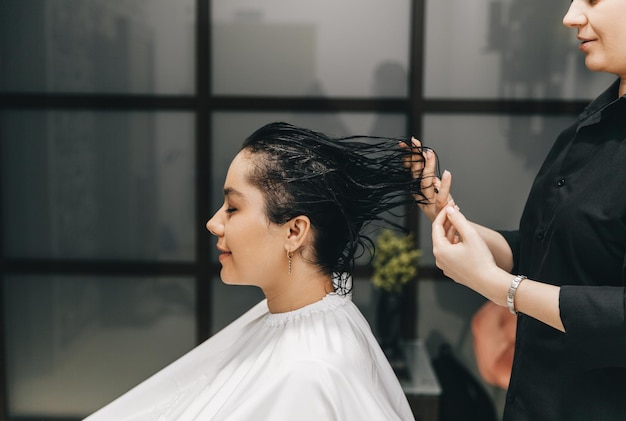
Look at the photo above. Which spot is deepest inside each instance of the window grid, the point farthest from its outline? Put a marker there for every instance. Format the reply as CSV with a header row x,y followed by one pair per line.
x,y
202,103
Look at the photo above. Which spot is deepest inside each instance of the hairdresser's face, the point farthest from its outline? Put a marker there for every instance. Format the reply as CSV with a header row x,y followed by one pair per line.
x,y
252,249
601,32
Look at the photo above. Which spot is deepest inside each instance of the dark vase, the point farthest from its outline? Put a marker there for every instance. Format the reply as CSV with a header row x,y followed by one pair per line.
x,y
389,315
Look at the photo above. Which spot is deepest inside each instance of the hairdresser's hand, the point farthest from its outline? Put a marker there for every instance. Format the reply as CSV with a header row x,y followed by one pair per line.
x,y
470,262
435,191
463,257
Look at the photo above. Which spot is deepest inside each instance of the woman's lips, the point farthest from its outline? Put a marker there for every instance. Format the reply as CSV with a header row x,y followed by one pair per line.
x,y
584,44
224,255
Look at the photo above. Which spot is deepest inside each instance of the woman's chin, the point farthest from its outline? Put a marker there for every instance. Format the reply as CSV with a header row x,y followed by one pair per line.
x,y
229,280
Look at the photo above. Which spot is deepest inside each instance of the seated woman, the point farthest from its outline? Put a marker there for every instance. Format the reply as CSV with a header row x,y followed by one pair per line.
x,y
295,204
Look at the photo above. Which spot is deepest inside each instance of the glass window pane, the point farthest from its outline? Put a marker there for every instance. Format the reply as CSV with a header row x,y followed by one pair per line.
x,y
75,343
228,302
98,185
364,296
127,46
493,160
351,48
504,49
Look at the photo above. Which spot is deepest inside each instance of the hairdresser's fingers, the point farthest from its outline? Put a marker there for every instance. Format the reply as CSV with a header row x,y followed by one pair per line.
x,y
406,159
429,186
450,226
450,256
467,260
451,233
413,146
415,160
456,218
443,197
429,182
459,225
439,230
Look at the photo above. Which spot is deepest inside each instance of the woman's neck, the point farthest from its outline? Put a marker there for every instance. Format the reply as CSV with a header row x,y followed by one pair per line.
x,y
299,289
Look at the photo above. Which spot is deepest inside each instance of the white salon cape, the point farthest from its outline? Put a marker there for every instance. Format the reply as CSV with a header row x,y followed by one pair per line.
x,y
320,362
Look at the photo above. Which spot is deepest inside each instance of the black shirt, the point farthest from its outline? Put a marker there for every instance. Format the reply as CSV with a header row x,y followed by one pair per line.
x,y
573,233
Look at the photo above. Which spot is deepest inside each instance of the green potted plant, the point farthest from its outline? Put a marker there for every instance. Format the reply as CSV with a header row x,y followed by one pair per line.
x,y
395,260
395,263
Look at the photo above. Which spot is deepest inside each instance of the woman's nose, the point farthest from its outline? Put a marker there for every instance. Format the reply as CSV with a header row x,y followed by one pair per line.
x,y
214,226
574,16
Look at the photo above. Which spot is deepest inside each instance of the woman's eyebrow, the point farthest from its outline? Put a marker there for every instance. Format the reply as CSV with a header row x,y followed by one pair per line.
x,y
228,191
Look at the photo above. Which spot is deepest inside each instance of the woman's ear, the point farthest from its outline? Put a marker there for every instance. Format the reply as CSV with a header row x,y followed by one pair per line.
x,y
299,232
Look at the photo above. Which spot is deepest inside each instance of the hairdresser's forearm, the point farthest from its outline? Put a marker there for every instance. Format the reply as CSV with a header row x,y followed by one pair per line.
x,y
535,299
497,245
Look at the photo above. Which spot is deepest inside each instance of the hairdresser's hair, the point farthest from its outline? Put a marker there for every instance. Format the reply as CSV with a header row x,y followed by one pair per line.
x,y
340,184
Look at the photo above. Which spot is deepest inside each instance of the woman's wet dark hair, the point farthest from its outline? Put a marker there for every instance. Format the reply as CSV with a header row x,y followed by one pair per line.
x,y
340,184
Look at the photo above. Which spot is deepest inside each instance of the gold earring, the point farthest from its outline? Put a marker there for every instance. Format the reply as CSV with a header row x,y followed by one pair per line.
x,y
289,258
